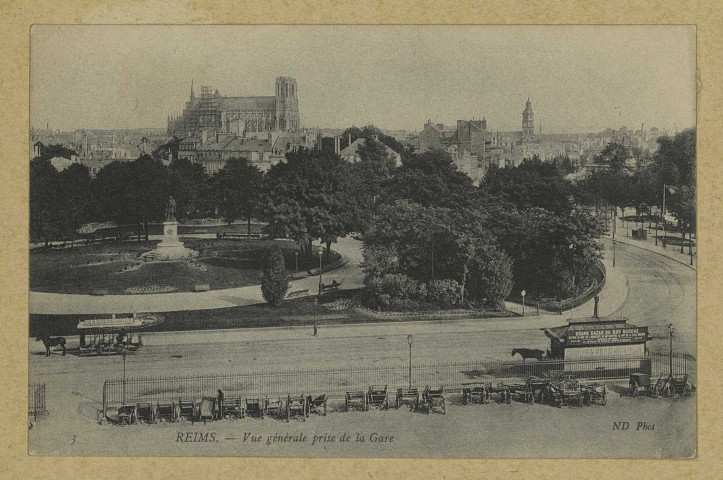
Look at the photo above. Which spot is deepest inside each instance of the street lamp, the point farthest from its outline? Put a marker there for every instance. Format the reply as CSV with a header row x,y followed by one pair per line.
x,y
523,293
613,253
671,330
296,257
124,352
409,341
320,252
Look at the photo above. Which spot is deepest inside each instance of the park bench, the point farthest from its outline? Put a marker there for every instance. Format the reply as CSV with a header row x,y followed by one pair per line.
x,y
238,235
297,293
334,285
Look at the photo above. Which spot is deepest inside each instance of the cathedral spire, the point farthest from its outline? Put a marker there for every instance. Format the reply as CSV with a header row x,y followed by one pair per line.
x,y
191,88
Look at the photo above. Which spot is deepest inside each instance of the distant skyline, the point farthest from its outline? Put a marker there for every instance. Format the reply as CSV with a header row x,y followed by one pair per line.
x,y
579,79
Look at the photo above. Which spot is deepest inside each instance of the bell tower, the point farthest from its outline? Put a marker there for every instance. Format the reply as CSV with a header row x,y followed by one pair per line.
x,y
528,121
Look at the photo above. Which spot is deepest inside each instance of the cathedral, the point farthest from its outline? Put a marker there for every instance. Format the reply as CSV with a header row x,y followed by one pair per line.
x,y
212,112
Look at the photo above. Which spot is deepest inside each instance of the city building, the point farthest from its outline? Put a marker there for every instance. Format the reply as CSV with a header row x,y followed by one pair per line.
x,y
351,153
214,112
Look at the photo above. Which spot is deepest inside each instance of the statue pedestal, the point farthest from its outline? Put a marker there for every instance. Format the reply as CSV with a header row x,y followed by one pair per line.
x,y
170,248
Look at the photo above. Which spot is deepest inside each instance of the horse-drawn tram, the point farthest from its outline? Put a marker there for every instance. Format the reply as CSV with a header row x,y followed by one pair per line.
x,y
110,336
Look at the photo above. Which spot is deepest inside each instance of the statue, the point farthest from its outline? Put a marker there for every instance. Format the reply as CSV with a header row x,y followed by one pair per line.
x,y
171,209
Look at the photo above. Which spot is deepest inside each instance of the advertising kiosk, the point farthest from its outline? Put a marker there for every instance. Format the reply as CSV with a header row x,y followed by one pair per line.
x,y
600,343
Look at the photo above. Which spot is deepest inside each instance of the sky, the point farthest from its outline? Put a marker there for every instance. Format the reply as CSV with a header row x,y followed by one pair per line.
x,y
579,79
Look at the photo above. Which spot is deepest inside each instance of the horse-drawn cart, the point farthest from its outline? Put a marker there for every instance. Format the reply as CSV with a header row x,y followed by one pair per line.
x,y
594,394
501,391
256,407
564,390
205,409
409,396
168,411
297,407
317,405
433,399
377,396
233,407
475,394
274,406
122,414
358,398
679,384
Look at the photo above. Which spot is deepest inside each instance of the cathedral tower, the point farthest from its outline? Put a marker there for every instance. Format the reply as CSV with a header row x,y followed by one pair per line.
x,y
287,104
528,121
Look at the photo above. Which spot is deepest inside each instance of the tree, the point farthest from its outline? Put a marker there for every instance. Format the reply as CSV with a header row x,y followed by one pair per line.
x,y
45,207
491,277
310,196
533,183
77,200
114,194
187,185
367,176
614,155
150,190
430,179
238,190
275,281
676,158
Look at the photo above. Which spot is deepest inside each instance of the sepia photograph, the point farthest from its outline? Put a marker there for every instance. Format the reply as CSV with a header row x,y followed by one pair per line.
x,y
399,241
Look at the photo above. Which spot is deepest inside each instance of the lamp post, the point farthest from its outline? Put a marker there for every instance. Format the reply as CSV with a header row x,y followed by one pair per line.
x,y
296,257
671,330
320,252
409,341
663,215
613,253
690,244
523,293
124,352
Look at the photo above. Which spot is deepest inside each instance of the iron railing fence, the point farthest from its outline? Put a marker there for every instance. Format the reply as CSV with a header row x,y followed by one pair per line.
x,y
36,400
337,381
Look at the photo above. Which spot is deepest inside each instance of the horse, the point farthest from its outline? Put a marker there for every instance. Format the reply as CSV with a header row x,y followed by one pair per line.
x,y
526,353
52,342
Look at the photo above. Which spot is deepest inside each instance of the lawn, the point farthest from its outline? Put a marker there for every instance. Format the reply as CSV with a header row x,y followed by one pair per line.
x,y
119,268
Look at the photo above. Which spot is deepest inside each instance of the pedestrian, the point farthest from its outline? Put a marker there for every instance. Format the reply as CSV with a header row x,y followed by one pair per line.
x,y
315,329
220,404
